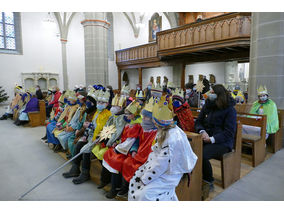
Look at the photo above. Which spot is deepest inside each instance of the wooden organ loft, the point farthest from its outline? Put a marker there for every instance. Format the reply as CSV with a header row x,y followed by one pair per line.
x,y
217,37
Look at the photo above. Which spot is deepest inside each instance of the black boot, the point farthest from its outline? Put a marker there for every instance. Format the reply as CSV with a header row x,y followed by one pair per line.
x,y
105,178
74,171
4,117
44,138
84,176
115,183
124,189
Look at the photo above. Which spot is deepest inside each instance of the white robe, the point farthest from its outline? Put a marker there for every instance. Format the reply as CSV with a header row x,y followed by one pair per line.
x,y
157,178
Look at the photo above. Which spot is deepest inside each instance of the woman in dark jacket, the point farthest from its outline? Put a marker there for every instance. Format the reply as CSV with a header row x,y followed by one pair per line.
x,y
216,123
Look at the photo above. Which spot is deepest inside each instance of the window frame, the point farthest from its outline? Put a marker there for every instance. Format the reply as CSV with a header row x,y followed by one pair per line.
x,y
18,35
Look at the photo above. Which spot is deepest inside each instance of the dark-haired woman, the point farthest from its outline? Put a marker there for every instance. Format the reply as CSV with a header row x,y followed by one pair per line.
x,y
217,125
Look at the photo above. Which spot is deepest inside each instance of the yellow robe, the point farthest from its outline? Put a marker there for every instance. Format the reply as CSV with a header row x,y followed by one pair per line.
x,y
101,122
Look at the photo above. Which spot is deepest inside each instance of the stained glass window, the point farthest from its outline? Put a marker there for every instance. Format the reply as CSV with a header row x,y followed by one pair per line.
x,y
7,31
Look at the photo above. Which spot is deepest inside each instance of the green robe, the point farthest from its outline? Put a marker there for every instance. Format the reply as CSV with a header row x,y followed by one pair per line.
x,y
270,110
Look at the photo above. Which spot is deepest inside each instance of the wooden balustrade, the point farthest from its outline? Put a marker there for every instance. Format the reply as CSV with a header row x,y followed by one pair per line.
x,y
214,31
228,32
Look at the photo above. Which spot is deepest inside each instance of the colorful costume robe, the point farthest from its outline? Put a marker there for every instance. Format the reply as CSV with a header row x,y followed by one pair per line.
x,y
31,106
130,164
269,109
157,178
76,123
185,117
119,123
114,157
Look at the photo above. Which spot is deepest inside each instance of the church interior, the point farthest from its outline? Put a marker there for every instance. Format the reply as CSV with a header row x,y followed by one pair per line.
x,y
124,64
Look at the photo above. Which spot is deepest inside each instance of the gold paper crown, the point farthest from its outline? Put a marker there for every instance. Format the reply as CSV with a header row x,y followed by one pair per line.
x,y
262,90
18,89
177,92
140,94
103,96
162,110
121,101
134,107
149,105
71,96
92,93
115,100
125,89
170,85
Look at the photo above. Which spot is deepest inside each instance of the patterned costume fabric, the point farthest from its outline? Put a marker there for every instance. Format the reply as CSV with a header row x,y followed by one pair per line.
x,y
157,178
185,117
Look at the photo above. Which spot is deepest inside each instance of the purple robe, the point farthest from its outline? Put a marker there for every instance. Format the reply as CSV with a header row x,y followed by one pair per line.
x,y
32,105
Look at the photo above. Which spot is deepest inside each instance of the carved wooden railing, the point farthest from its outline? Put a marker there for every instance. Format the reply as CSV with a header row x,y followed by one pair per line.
x,y
141,52
227,27
223,31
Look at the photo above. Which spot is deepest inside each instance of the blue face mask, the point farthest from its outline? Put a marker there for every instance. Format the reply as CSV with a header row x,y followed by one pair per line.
x,y
101,107
89,104
149,87
125,118
176,104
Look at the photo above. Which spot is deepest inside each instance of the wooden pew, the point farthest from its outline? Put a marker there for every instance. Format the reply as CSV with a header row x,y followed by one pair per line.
x,y
277,138
37,118
257,142
194,191
231,161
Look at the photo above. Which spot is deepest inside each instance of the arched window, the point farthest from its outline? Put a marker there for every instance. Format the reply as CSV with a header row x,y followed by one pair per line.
x,y
42,83
52,82
29,82
10,33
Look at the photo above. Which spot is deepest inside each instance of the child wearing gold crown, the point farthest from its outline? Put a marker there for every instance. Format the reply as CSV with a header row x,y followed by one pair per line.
x,y
171,157
265,106
99,120
114,157
146,139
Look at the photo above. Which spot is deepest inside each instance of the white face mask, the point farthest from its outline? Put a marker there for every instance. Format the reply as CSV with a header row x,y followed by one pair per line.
x,y
188,90
263,98
212,96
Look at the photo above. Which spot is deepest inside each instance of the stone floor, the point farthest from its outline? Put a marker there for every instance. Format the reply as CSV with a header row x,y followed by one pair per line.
x,y
25,160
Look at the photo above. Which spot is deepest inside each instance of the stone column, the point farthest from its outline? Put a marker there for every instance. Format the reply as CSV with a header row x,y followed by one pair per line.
x,y
231,74
64,64
119,78
96,57
267,56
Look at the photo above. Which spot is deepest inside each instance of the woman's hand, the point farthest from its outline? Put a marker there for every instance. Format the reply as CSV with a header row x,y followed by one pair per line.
x,y
133,154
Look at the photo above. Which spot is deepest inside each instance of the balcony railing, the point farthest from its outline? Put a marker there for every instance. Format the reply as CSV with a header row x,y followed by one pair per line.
x,y
218,30
142,52
225,31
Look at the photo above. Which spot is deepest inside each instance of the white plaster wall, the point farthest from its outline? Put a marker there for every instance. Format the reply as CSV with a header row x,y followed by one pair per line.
x,y
155,72
41,52
133,77
217,69
75,52
123,33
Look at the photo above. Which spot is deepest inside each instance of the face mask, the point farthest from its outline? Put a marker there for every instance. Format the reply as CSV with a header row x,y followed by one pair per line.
x,y
101,107
176,104
212,97
149,87
49,92
114,110
89,104
188,90
37,89
138,88
125,118
147,124
263,98
194,89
